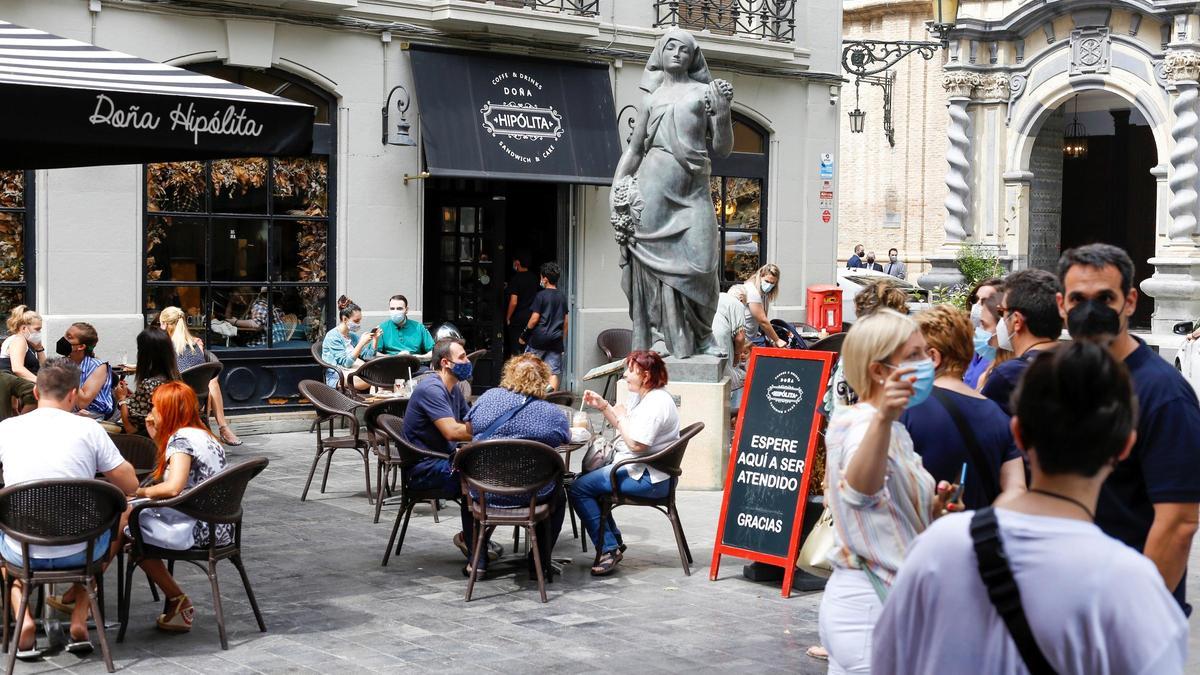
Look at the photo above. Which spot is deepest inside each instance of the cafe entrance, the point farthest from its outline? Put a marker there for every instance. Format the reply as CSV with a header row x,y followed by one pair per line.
x,y
473,227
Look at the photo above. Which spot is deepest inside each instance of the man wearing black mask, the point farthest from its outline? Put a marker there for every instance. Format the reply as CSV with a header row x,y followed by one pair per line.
x,y
1152,499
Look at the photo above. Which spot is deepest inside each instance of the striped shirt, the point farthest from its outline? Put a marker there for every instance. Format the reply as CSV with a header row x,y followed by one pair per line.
x,y
877,528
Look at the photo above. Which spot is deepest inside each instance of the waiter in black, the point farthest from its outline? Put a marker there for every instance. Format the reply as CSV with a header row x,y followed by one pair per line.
x,y
521,289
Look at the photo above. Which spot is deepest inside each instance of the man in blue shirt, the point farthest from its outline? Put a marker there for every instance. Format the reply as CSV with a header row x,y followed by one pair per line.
x,y
1152,499
1029,323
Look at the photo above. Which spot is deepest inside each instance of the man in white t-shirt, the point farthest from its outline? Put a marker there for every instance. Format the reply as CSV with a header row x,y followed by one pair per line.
x,y
1093,604
53,442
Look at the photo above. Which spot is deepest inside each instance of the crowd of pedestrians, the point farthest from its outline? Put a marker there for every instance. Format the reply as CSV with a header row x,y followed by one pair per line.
x,y
1081,492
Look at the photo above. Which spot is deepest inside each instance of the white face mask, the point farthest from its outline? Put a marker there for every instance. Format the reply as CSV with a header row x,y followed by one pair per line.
x,y
1003,337
767,286
353,326
977,314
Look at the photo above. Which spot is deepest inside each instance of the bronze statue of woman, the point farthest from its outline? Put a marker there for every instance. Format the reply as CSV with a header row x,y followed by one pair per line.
x,y
670,258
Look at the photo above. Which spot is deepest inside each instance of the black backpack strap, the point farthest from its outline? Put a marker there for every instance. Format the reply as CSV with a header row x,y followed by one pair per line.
x,y
990,486
1002,589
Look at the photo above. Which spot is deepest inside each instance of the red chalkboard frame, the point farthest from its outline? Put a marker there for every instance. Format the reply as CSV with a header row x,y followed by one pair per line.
x,y
789,563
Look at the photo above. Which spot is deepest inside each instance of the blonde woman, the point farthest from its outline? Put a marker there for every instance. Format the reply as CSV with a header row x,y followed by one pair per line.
x,y
880,494
22,352
761,289
189,352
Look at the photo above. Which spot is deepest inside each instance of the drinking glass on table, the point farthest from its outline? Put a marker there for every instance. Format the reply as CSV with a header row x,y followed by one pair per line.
x,y
398,386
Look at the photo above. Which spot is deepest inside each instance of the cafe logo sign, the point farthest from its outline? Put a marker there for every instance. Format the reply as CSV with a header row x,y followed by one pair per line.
x,y
524,127
784,393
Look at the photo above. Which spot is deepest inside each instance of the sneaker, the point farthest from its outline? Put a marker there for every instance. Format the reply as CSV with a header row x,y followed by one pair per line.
x,y
178,615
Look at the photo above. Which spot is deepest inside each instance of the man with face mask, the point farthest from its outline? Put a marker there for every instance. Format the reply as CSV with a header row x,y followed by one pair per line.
x,y
856,260
1152,499
520,291
436,419
895,267
870,262
398,335
1029,323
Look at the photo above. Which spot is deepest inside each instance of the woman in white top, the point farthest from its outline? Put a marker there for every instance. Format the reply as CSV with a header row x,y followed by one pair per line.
x,y
761,289
648,424
880,494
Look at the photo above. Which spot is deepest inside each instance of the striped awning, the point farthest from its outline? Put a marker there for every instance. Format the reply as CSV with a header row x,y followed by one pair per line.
x,y
69,103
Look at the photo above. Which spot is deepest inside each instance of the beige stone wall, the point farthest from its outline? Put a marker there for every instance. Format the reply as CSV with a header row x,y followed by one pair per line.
x,y
893,196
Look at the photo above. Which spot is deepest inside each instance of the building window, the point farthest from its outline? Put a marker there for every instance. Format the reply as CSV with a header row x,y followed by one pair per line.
x,y
244,238
16,241
738,188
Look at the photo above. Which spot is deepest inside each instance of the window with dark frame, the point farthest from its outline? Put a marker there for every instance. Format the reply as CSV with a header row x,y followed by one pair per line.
x,y
16,239
244,239
738,189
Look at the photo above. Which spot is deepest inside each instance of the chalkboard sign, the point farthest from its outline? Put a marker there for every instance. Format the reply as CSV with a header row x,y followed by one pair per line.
x,y
770,464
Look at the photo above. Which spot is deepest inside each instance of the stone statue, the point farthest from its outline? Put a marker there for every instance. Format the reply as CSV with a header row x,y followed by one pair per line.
x,y
662,209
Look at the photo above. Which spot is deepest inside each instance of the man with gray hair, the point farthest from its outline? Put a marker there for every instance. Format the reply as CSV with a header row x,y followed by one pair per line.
x,y
52,442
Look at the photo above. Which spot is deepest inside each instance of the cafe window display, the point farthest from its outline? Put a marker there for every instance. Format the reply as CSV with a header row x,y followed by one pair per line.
x,y
16,216
739,199
241,245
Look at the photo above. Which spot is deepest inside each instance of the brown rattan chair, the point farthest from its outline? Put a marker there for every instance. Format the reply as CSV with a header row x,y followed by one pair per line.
x,y
410,455
331,404
565,398
508,466
198,377
615,343
833,343
139,451
387,459
217,500
316,354
667,460
383,371
58,513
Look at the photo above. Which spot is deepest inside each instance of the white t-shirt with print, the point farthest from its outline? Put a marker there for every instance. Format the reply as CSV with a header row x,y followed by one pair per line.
x,y
51,443
1095,605
653,421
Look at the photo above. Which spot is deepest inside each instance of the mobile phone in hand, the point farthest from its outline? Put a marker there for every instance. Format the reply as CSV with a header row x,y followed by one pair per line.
x,y
956,496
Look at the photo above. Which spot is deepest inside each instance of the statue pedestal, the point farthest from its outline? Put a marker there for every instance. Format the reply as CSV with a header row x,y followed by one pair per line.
x,y
701,392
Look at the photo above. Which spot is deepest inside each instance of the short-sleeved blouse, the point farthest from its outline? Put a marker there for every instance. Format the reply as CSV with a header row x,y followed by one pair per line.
x,y
189,358
208,457
877,528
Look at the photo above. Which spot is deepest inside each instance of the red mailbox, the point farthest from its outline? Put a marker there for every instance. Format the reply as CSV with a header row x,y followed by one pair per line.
x,y
825,307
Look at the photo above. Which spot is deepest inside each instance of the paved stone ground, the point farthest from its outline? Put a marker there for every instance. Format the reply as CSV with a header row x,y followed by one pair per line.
x,y
331,607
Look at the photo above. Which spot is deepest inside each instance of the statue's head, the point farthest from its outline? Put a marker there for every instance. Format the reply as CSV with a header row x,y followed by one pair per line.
x,y
677,53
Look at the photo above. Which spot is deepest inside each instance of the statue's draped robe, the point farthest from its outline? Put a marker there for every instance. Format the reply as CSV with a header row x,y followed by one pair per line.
x,y
670,272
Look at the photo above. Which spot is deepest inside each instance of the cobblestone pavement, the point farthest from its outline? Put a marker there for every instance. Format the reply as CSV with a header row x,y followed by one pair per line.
x,y
331,607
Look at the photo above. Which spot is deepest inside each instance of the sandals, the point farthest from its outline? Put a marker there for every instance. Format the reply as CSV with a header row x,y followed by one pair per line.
x,y
817,652
228,437
80,647
178,615
494,550
607,563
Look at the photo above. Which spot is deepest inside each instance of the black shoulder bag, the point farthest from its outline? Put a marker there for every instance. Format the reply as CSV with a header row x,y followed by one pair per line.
x,y
990,486
1002,589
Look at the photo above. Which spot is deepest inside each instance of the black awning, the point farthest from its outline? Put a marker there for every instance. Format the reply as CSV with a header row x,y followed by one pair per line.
x,y
69,103
499,116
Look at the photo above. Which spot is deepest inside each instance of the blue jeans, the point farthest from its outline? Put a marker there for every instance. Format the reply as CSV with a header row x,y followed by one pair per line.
x,y
594,484
553,359
11,550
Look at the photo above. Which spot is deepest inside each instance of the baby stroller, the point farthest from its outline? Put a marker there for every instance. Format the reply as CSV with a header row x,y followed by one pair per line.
x,y
789,332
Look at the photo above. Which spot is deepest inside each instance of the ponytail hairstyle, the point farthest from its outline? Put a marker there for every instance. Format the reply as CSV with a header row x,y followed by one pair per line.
x,y
21,316
181,340
176,406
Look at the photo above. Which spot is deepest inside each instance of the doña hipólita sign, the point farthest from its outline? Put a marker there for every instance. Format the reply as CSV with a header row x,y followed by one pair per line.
x,y
523,126
770,464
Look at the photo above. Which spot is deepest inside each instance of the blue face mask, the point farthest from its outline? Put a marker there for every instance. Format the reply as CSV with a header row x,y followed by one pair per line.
x,y
462,370
982,347
923,384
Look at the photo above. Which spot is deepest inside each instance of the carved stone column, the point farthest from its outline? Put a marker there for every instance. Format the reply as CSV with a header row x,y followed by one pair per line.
x,y
1175,285
944,272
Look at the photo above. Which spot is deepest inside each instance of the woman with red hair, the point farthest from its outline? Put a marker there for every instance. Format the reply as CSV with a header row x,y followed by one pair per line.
x,y
188,453
648,423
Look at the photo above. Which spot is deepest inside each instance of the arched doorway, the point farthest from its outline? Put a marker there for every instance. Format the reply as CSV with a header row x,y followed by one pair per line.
x,y
1106,193
739,193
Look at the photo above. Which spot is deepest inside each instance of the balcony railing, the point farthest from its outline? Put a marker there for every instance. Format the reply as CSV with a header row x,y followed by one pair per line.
x,y
578,7
773,20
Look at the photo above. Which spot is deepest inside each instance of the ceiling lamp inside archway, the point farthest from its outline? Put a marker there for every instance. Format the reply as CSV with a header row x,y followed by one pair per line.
x,y
1075,140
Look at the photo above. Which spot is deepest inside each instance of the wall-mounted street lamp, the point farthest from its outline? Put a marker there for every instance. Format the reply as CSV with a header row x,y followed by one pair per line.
x,y
401,136
863,58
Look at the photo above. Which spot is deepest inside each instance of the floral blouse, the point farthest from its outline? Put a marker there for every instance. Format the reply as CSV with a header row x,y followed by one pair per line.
x,y
208,457
139,402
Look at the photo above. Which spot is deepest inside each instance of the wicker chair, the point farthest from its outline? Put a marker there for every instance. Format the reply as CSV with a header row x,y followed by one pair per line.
x,y
387,460
615,343
58,512
198,378
383,371
410,455
565,398
833,343
668,461
332,404
217,500
508,466
139,451
316,354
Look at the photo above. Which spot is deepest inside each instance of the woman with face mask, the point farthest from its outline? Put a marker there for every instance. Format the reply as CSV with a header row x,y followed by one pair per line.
x,y
990,326
22,352
958,425
983,324
344,347
880,494
761,289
